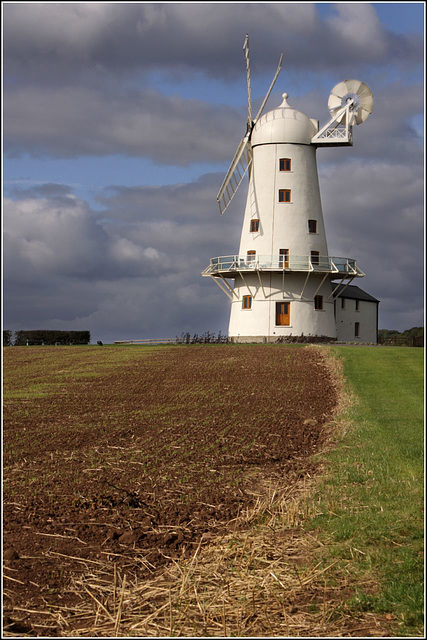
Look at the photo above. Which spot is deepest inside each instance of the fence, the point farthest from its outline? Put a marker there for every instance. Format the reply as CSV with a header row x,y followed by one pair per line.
x,y
402,341
148,341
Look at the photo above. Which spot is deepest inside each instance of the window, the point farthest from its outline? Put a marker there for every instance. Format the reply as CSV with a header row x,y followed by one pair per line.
x,y
357,305
283,314
284,164
247,302
312,226
342,303
284,195
318,303
250,256
356,329
314,257
284,258
254,226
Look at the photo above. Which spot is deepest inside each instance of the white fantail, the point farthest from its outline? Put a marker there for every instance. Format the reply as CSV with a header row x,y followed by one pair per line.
x,y
355,93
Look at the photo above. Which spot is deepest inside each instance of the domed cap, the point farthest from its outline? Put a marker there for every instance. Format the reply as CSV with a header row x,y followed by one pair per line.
x,y
284,124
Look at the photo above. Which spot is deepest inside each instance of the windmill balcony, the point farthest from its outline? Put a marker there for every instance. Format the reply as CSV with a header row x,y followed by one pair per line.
x,y
229,266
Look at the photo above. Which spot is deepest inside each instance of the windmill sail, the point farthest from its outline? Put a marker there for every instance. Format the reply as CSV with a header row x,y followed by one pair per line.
x,y
248,79
243,156
235,174
261,109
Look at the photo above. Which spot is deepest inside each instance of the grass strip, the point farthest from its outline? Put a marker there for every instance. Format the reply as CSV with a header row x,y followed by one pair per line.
x,y
369,503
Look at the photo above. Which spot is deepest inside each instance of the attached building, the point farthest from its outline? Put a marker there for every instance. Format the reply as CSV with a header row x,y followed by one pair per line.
x,y
356,315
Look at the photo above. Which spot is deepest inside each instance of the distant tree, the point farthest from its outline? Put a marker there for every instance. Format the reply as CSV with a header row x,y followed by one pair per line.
x,y
409,337
415,332
7,338
387,334
51,337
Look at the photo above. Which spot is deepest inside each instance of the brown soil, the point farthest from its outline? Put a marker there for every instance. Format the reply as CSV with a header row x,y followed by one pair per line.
x,y
133,456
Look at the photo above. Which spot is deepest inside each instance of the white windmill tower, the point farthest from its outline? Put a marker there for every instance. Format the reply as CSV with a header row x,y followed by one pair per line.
x,y
283,272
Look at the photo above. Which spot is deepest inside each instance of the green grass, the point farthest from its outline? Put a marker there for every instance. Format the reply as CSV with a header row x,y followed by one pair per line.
x,y
370,502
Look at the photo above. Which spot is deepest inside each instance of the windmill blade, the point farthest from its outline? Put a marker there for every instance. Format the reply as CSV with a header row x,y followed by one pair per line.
x,y
234,176
334,102
339,90
248,79
260,110
353,86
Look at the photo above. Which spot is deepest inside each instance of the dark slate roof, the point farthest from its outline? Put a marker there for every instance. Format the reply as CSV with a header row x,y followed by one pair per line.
x,y
355,293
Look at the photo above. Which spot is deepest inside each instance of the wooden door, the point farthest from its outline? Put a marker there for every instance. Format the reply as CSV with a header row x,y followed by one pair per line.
x,y
283,313
284,258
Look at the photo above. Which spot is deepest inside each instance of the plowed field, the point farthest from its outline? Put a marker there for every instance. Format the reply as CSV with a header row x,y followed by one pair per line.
x,y
134,454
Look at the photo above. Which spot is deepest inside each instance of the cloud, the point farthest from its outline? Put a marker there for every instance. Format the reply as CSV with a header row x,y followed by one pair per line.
x,y
175,131
374,213
358,26
133,269
79,82
53,42
80,121
58,236
67,265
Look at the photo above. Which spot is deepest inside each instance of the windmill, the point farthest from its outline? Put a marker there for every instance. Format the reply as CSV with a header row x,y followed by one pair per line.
x,y
283,274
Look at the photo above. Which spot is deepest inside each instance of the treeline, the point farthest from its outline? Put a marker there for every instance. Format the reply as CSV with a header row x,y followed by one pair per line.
x,y
44,337
410,337
204,338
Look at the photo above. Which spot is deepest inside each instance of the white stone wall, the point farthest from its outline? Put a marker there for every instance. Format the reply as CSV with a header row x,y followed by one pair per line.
x,y
284,225
260,320
347,317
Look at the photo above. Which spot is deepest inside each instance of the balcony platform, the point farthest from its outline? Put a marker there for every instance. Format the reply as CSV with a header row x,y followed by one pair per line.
x,y
231,266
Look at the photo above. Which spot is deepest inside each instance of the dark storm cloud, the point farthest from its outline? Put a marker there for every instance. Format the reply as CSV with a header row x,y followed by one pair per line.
x,y
126,276
133,269
174,131
374,213
180,220
80,121
190,200
54,41
58,236
388,133
52,49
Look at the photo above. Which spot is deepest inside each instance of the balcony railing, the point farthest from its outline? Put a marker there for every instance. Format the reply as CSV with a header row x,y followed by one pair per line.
x,y
320,264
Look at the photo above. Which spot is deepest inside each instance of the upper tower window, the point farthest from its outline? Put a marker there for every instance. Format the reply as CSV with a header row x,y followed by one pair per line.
x,y
314,257
284,195
254,226
284,164
312,226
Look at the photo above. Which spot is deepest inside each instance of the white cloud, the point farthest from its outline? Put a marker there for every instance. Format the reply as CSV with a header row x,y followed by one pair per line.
x,y
358,28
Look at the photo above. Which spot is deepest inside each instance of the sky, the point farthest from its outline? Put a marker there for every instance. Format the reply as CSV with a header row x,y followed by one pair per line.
x,y
121,119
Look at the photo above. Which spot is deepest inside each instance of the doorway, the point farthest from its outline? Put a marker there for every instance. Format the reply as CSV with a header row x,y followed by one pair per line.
x,y
283,314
